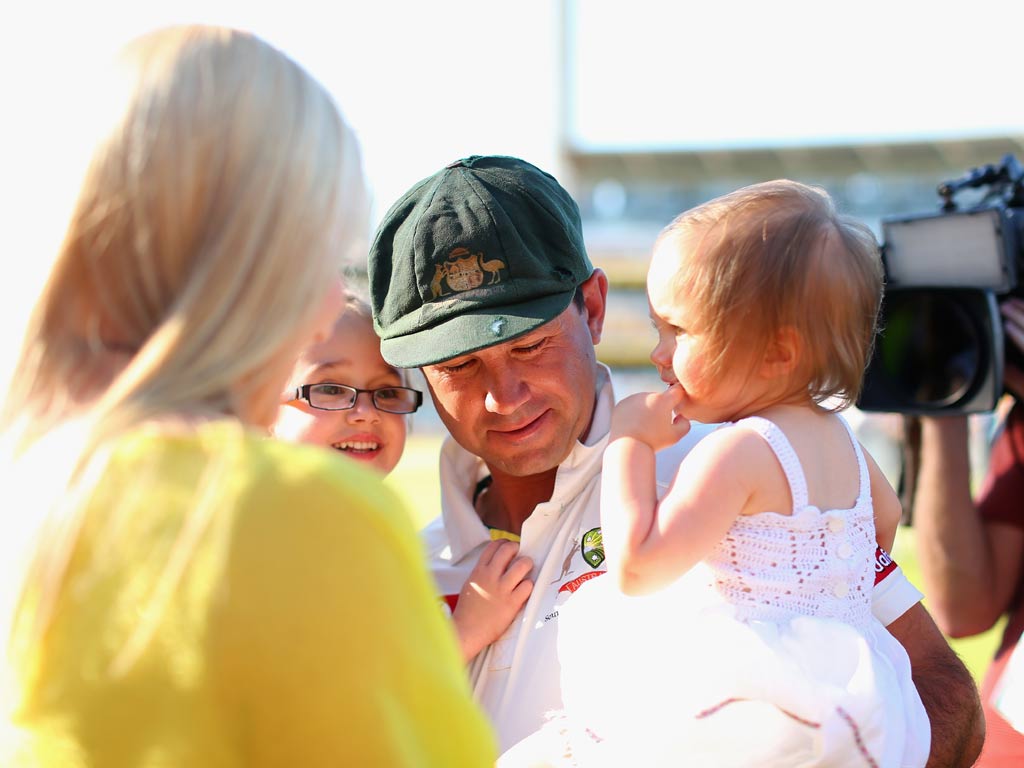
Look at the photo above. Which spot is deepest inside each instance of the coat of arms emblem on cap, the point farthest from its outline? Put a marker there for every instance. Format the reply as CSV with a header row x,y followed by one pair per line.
x,y
463,271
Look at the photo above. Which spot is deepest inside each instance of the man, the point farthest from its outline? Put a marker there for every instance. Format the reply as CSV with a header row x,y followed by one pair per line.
x,y
972,553
479,276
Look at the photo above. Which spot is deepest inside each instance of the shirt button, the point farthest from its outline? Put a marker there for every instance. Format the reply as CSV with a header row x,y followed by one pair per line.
x,y
836,524
840,589
844,550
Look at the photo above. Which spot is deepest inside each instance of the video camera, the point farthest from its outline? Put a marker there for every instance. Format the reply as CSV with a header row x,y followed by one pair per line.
x,y
941,347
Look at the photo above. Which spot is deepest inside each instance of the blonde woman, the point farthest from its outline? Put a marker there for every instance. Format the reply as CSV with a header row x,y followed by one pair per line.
x,y
194,593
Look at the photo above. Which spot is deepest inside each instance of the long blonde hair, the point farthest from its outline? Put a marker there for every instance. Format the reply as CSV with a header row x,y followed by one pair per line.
x,y
201,237
213,213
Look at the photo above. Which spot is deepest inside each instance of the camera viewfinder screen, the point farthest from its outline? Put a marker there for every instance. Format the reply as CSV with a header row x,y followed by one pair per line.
x,y
963,249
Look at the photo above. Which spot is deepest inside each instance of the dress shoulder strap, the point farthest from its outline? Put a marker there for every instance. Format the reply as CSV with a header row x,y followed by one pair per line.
x,y
784,452
862,465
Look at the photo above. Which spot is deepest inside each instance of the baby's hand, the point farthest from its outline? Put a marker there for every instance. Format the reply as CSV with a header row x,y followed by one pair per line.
x,y
651,418
491,597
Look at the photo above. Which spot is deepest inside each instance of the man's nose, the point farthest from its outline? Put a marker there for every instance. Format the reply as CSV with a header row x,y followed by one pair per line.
x,y
506,392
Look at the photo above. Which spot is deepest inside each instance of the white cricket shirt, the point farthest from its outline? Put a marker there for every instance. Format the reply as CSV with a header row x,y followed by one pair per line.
x,y
517,678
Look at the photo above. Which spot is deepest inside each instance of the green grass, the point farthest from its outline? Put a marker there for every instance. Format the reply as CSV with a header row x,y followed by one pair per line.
x,y
415,478
416,481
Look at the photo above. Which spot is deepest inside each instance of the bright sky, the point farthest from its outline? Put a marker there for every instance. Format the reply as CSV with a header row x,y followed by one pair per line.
x,y
426,82
732,74
422,84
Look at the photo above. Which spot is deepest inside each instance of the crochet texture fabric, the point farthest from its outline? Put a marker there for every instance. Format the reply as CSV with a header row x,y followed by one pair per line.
x,y
812,563
772,636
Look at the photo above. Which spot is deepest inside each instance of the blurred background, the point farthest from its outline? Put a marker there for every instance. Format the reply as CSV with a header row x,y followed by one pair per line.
x,y
640,109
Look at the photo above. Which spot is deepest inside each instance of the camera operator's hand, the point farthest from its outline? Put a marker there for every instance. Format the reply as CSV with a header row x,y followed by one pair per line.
x,y
1012,311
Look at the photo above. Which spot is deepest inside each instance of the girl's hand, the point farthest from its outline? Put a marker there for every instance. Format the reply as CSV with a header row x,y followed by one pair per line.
x,y
651,418
491,597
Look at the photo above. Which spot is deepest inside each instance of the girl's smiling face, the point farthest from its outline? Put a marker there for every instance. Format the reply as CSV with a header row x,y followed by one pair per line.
x,y
684,350
350,356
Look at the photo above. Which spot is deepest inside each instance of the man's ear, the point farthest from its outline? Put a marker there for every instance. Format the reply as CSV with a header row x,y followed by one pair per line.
x,y
783,353
595,301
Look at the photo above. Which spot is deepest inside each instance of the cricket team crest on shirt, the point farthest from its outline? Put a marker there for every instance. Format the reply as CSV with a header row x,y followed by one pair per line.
x,y
464,271
592,547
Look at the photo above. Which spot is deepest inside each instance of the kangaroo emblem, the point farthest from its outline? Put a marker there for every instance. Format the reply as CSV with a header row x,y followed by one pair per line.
x,y
436,286
567,563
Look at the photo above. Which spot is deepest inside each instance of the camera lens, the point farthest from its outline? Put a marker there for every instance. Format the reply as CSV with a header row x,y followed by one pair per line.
x,y
931,350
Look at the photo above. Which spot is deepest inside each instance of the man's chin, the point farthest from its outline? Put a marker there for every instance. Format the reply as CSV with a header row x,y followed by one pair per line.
x,y
525,463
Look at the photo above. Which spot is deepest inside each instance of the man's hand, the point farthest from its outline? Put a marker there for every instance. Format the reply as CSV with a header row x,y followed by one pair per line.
x,y
1012,311
651,418
491,597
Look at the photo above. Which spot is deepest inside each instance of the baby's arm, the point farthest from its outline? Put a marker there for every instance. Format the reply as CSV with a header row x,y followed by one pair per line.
x,y
641,424
888,510
491,597
650,544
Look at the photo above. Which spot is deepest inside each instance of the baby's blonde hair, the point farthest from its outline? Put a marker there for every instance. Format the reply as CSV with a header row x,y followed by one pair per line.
x,y
776,255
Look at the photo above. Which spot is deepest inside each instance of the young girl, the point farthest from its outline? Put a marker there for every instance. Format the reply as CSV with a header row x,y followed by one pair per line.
x,y
765,302
343,395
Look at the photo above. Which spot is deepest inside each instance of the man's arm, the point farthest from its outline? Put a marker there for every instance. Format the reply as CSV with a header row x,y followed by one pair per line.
x,y
947,690
970,568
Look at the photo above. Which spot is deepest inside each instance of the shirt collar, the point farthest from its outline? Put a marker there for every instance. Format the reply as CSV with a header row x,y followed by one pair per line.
x,y
461,471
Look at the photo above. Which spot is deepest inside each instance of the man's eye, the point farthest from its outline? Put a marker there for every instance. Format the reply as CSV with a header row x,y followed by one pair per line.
x,y
531,347
456,367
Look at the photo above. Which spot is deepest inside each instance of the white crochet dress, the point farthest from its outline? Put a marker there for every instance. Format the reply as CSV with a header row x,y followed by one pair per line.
x,y
767,654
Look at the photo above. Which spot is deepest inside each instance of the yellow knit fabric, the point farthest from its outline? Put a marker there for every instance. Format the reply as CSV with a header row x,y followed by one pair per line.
x,y
235,601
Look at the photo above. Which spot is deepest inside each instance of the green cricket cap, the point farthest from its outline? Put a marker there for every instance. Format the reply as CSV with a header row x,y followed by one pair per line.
x,y
483,251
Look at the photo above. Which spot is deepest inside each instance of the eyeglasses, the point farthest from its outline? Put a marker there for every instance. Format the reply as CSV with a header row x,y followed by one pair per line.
x,y
341,397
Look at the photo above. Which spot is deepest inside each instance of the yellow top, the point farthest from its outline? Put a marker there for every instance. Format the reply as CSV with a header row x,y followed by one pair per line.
x,y
235,601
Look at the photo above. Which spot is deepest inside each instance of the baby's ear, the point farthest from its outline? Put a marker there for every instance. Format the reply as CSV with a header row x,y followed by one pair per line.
x,y
782,355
